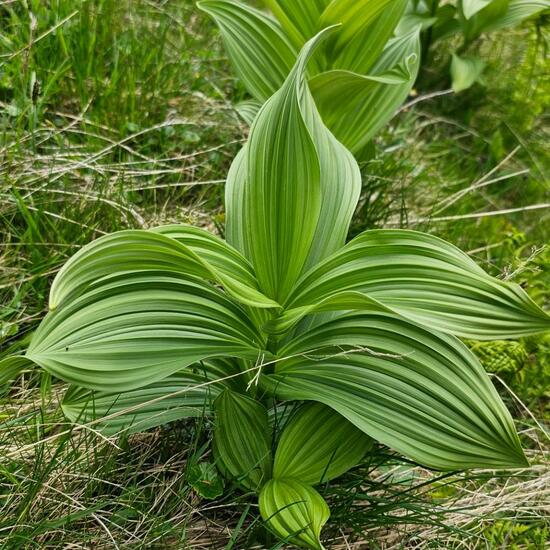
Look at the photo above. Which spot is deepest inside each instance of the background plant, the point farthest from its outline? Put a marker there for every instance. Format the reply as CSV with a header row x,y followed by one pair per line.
x,y
133,309
359,78
468,21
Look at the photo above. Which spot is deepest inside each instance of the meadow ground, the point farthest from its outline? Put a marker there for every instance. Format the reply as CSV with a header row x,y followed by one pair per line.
x,y
118,114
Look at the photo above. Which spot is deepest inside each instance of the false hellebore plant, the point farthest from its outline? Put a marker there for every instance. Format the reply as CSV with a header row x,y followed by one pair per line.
x,y
358,77
153,325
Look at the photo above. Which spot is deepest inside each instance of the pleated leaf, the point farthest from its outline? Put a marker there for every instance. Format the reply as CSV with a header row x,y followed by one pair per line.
x,y
299,19
181,395
425,279
421,393
224,263
295,511
258,48
518,11
242,439
248,110
135,251
136,328
484,19
353,15
282,214
354,107
366,46
318,445
339,301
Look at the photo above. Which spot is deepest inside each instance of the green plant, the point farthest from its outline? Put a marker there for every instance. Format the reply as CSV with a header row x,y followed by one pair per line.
x,y
359,77
468,19
153,325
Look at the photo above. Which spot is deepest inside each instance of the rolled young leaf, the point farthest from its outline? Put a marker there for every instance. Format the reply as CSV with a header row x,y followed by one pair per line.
x,y
135,328
295,511
242,439
427,280
257,46
420,392
285,215
318,445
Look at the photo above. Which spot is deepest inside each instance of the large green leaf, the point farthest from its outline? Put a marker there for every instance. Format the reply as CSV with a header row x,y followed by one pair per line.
x,y
135,251
299,19
282,214
471,7
479,23
425,279
518,11
295,511
135,328
224,263
419,392
354,16
242,439
355,107
256,44
181,395
365,48
318,445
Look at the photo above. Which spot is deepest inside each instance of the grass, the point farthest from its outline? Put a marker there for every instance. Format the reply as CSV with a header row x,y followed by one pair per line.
x,y
117,114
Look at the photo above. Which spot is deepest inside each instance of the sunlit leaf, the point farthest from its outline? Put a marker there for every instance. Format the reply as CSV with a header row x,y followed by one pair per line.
x,y
419,392
355,107
425,279
286,215
295,511
318,444
135,328
471,7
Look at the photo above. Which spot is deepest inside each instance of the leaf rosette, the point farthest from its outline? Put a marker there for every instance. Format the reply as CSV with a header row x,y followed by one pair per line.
x,y
155,325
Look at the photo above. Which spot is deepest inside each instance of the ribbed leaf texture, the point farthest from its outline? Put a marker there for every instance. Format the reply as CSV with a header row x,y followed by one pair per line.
x,y
295,511
283,214
242,439
416,390
157,325
318,444
353,106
